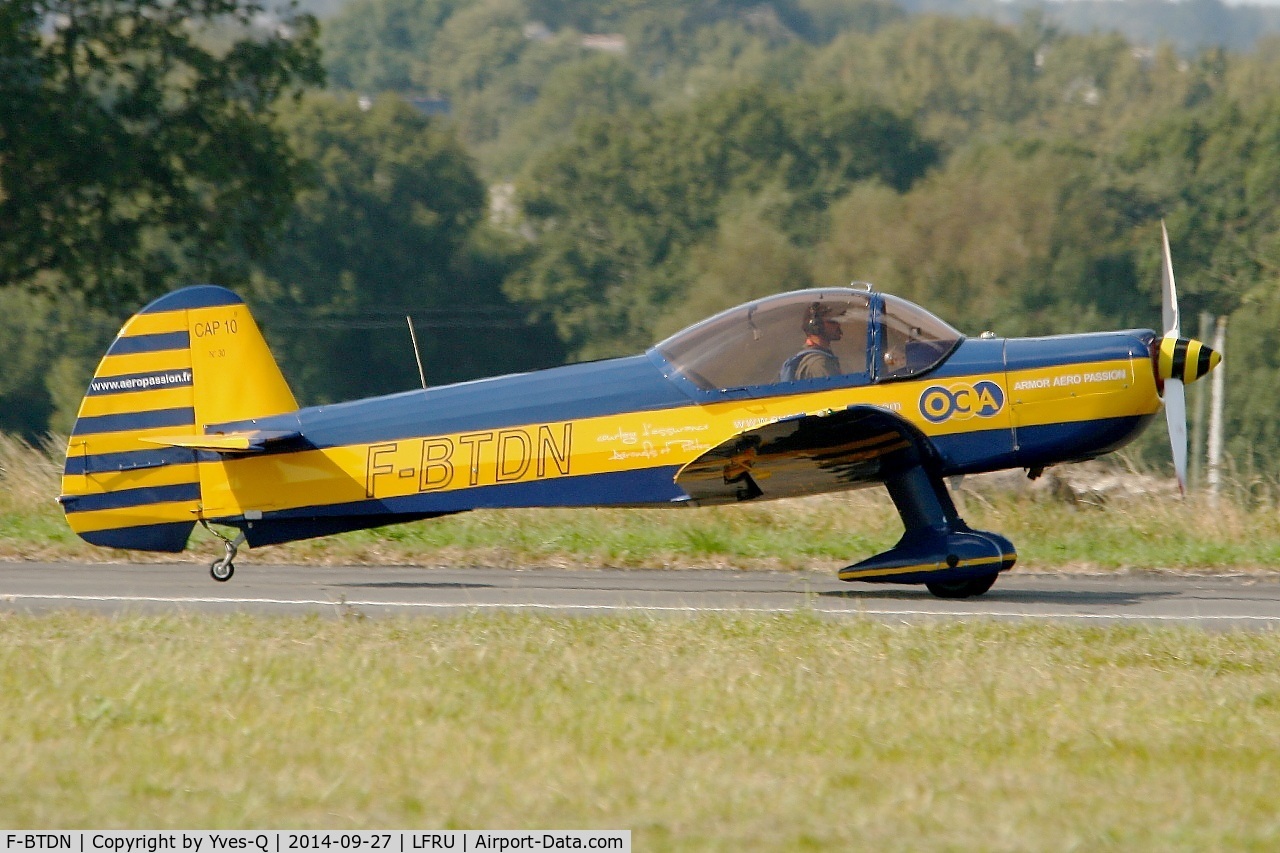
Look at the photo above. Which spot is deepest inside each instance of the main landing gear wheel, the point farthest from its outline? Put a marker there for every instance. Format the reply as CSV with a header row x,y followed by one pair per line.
x,y
222,569
963,588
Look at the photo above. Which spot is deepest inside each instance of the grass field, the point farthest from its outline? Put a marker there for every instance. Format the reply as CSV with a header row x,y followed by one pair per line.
x,y
724,732
730,733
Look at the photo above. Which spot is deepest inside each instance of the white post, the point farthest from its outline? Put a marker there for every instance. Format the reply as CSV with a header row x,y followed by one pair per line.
x,y
1199,413
1215,413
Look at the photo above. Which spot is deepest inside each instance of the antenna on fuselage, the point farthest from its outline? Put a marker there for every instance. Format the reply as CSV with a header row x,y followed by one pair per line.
x,y
417,356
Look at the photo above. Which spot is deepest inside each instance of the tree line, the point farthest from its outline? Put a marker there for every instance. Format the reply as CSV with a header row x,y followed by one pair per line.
x,y
1008,175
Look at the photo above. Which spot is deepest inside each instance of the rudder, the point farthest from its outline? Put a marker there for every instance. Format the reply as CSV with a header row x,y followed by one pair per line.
x,y
190,358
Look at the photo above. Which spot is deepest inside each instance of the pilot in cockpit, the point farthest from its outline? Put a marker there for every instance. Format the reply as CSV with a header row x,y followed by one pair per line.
x,y
816,359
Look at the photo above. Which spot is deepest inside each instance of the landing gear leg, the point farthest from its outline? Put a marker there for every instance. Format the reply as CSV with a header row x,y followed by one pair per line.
x,y
937,548
223,568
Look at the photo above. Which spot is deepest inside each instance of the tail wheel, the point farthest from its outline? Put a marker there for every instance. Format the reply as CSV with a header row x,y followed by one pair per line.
x,y
966,588
222,570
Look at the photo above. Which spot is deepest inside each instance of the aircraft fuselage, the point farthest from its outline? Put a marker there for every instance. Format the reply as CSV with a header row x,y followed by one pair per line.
x,y
615,432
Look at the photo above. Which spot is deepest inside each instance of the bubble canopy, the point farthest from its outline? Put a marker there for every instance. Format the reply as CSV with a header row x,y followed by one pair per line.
x,y
881,338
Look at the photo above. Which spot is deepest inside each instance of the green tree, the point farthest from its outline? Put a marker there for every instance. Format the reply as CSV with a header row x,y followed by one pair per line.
x,y
1252,368
1217,172
379,45
822,21
1220,172
617,210
1250,78
390,227
1021,239
49,345
956,76
137,143
494,75
746,257
598,85
1101,88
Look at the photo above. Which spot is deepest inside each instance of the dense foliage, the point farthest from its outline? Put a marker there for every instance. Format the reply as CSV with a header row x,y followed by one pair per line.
x,y
648,162
146,144
387,229
1010,174
136,141
619,208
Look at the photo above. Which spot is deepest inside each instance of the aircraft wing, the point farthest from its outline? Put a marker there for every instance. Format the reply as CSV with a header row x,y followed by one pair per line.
x,y
858,446
247,441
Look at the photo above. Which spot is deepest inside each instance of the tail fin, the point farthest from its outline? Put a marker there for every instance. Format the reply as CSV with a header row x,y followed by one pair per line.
x,y
188,359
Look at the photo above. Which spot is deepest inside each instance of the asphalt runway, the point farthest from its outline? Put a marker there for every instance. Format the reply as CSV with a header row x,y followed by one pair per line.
x,y
1215,602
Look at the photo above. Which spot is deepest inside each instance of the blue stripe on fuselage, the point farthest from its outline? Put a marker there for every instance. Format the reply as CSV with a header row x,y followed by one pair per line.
x,y
978,356
1031,353
975,452
644,486
1044,444
651,486
973,356
567,393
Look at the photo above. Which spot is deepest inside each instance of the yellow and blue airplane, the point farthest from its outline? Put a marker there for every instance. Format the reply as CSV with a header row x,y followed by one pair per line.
x,y
188,421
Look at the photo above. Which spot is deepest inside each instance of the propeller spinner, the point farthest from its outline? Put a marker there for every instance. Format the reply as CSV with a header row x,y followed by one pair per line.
x,y
1178,360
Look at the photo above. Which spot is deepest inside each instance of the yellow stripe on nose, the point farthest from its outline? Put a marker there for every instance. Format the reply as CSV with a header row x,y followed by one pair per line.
x,y
1185,359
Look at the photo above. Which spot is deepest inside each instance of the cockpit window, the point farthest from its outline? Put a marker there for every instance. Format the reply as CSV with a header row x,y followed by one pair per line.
x,y
809,337
750,344
911,339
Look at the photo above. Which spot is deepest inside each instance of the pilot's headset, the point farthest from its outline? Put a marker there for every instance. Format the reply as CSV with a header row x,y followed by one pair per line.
x,y
815,319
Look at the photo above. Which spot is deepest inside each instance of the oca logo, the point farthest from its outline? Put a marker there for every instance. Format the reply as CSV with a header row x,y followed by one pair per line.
x,y
961,401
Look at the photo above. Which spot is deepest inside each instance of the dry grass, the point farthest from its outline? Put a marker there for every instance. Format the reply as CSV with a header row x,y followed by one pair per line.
x,y
30,475
1152,530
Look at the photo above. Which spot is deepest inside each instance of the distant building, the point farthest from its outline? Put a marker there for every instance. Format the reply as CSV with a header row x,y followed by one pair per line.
x,y
502,204
537,31
607,42
504,211
1083,90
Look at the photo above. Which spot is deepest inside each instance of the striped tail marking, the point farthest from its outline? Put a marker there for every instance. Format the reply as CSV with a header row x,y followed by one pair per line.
x,y
120,488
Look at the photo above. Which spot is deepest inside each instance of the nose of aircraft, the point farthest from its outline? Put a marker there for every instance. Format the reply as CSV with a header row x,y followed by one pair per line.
x,y
1184,359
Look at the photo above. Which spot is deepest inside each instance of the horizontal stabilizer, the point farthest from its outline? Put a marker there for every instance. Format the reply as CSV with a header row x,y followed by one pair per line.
x,y
250,441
